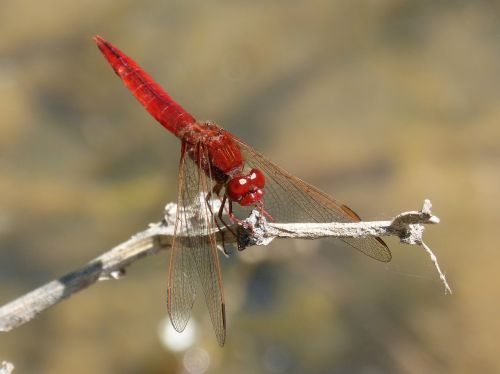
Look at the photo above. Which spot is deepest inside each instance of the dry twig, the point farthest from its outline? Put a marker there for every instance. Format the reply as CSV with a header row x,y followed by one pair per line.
x,y
407,226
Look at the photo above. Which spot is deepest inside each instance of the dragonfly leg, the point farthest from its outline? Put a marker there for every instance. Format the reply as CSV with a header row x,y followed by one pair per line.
x,y
221,212
241,240
263,212
208,198
231,214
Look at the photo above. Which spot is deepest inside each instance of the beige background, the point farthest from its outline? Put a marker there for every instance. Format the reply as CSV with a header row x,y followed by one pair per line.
x,y
380,103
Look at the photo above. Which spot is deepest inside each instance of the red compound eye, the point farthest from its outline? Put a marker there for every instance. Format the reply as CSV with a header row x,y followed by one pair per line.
x,y
237,188
252,197
257,178
246,189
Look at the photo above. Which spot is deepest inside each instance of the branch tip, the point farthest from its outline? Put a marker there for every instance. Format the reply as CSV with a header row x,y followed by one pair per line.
x,y
447,288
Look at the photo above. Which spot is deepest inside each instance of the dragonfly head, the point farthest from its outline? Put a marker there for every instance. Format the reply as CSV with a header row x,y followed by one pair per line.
x,y
246,189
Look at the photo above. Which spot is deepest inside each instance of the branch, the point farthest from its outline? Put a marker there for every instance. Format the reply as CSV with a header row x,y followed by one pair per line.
x,y
254,230
407,226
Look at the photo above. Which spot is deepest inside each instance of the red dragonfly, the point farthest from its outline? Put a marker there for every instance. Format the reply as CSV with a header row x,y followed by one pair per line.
x,y
216,164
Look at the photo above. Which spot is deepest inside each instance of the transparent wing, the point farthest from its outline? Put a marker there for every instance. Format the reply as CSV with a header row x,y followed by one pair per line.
x,y
290,199
194,250
181,278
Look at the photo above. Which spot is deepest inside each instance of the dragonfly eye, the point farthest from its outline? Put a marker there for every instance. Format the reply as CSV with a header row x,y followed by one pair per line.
x,y
237,188
257,178
246,189
252,197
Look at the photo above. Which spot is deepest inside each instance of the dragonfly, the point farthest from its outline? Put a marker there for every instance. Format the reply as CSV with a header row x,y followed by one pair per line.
x,y
215,165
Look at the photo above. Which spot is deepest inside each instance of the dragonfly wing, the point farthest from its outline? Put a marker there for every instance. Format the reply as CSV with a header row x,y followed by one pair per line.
x,y
290,199
196,241
181,278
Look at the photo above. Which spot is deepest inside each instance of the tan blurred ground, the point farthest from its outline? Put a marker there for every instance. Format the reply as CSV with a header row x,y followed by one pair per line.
x,y
381,103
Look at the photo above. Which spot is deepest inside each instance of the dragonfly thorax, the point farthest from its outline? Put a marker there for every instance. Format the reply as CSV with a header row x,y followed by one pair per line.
x,y
246,189
214,150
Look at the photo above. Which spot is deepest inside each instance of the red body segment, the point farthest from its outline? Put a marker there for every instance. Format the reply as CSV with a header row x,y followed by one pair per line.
x,y
224,159
156,101
246,189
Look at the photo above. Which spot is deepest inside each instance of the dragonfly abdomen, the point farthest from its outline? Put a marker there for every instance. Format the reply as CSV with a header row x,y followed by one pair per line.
x,y
156,101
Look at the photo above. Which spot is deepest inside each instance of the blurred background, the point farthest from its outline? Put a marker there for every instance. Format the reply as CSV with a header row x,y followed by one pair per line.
x,y
379,103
